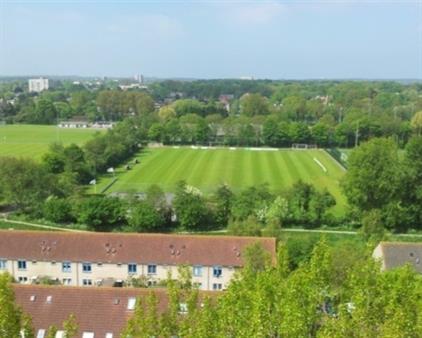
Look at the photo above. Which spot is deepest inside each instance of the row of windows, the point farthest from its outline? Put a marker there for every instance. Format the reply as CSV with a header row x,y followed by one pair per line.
x,y
132,268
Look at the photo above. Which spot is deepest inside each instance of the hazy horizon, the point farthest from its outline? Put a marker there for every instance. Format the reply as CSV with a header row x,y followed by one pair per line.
x,y
277,40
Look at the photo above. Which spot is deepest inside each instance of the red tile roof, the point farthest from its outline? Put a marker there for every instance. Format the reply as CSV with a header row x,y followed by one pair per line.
x,y
128,248
96,309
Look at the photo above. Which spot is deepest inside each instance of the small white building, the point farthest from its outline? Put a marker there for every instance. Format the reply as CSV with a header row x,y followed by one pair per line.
x,y
37,85
74,124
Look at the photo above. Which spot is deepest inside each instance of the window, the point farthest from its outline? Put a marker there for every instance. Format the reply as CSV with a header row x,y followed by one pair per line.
x,y
131,303
67,281
197,285
132,268
217,271
217,286
2,264
86,282
183,308
41,333
22,265
86,267
23,279
152,269
66,267
59,334
49,299
88,335
197,271
109,335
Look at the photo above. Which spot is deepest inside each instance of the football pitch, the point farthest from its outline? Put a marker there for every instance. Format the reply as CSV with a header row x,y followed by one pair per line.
x,y
33,141
239,168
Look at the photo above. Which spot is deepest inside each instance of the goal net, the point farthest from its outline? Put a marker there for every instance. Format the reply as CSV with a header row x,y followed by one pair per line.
x,y
303,146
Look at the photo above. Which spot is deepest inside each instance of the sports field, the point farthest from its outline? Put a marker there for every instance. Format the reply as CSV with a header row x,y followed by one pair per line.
x,y
239,168
33,141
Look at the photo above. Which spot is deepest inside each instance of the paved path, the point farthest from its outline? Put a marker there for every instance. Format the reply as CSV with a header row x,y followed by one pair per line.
x,y
35,225
321,231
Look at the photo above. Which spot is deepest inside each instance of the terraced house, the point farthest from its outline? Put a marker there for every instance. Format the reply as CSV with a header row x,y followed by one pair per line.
x,y
107,259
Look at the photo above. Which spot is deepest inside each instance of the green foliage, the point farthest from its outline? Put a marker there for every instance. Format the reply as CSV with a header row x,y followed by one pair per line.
x,y
256,258
26,184
10,314
57,210
190,208
374,174
145,217
100,213
254,104
70,327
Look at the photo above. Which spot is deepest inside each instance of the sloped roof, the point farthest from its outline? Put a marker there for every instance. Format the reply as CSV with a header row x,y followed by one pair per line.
x,y
128,248
97,310
396,254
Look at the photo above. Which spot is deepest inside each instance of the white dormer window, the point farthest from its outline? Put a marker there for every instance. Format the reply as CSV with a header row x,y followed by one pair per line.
x,y
88,335
59,334
41,333
131,303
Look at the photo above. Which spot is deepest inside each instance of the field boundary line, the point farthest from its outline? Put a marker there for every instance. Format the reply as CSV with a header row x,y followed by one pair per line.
x,y
35,225
108,186
335,160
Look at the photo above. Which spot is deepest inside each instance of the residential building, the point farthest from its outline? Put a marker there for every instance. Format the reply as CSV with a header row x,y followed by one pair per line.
x,y
98,259
99,312
396,254
37,85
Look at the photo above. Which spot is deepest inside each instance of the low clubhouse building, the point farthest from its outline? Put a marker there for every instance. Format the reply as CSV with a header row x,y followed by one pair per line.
x,y
108,259
396,254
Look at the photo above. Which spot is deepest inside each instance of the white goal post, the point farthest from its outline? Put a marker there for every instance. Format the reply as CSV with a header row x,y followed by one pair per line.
x,y
304,146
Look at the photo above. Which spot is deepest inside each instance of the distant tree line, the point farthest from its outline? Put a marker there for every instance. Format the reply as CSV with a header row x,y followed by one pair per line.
x,y
234,112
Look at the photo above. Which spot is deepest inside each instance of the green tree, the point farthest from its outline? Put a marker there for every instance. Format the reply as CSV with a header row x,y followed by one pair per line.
x,y
191,210
223,203
254,104
10,314
145,217
70,327
416,123
25,183
100,213
372,180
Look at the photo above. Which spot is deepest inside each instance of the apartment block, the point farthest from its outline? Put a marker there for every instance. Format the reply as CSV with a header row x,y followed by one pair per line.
x,y
38,85
109,259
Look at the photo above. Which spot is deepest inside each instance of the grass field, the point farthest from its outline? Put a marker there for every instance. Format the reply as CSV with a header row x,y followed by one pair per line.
x,y
240,168
33,140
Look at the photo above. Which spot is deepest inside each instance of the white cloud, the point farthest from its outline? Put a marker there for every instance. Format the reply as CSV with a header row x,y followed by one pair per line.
x,y
255,12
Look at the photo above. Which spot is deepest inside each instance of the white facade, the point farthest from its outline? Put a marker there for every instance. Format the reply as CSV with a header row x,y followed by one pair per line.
x,y
37,85
87,274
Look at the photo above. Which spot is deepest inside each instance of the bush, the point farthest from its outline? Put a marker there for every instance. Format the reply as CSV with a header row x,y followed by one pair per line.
x,y
57,210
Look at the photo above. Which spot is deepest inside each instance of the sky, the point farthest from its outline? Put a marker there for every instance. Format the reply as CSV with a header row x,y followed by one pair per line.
x,y
303,39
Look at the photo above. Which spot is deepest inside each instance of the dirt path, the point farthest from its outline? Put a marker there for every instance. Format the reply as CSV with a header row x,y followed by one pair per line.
x,y
35,225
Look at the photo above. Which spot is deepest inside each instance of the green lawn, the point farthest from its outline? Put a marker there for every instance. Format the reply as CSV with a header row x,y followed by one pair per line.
x,y
33,140
239,168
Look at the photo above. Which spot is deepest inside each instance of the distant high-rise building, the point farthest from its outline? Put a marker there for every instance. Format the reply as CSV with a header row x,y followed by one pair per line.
x,y
37,85
139,78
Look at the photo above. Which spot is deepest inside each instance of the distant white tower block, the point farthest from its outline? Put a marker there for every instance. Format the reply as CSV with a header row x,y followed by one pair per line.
x,y
37,85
